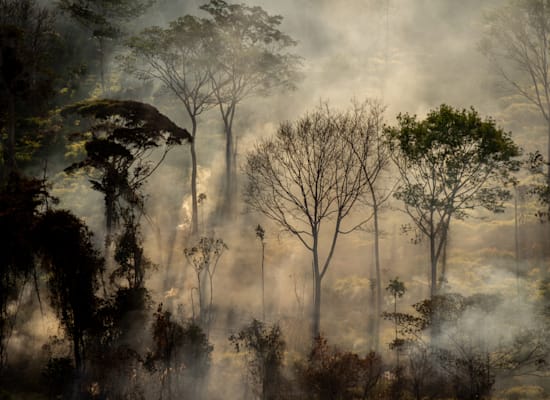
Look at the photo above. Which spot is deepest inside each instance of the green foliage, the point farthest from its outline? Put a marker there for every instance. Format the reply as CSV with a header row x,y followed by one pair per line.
x,y
450,163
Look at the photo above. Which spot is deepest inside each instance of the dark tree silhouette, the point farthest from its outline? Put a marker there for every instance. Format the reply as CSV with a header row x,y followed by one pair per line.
x,y
265,346
28,45
104,19
73,269
20,199
118,146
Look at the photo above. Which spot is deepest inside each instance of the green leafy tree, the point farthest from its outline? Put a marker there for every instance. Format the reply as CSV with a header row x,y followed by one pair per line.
x,y
449,163
249,56
397,289
308,179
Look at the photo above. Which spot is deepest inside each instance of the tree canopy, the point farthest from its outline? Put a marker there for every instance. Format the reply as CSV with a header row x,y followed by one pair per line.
x,y
450,163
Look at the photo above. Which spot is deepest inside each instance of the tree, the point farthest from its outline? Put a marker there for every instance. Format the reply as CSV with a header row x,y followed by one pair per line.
x,y
73,266
307,179
449,163
330,373
260,234
204,258
266,348
397,289
518,42
177,56
104,19
370,142
28,44
248,56
181,349
118,146
20,202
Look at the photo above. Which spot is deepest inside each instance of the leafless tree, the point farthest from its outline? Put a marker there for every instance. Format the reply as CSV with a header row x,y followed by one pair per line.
x,y
308,179
518,43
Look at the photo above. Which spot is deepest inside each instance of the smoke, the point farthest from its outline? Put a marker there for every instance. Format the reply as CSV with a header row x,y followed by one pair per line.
x,y
411,55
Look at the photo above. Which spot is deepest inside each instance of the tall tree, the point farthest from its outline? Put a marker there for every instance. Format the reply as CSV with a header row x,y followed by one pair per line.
x,y
118,148
177,56
104,19
370,142
20,199
449,163
249,56
307,179
518,41
73,269
27,41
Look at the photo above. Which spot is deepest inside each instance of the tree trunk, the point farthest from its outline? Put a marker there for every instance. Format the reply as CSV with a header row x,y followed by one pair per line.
x,y
378,278
230,162
11,162
102,64
77,355
316,325
194,202
433,262
316,320
263,282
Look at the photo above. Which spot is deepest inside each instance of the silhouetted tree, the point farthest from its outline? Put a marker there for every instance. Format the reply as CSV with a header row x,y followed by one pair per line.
x,y
20,199
449,163
260,234
308,179
248,57
28,44
331,374
73,266
118,146
180,350
104,19
397,289
265,346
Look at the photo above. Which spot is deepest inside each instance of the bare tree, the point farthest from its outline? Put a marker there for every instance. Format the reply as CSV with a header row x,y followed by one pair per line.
x,y
518,42
308,180
204,258
371,141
